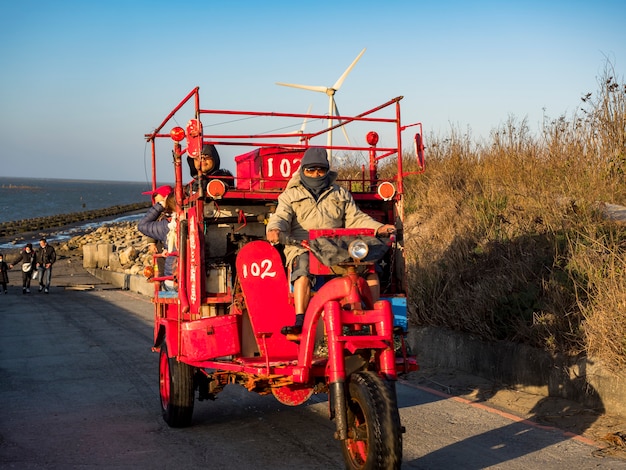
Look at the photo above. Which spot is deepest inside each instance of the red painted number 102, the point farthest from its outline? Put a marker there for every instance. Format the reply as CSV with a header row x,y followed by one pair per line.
x,y
263,269
286,167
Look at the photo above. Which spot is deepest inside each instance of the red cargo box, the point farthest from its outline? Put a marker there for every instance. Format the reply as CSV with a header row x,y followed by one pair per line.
x,y
209,338
267,168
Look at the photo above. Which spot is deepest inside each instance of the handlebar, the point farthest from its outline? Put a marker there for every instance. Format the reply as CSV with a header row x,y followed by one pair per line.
x,y
391,233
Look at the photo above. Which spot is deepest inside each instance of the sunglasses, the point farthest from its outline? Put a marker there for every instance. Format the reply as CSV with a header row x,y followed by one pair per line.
x,y
315,170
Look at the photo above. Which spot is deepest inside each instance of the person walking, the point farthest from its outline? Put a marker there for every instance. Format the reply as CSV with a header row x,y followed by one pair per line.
x,y
4,274
45,257
28,259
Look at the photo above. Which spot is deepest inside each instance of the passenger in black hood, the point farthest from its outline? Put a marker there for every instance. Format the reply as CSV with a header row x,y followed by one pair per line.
x,y
208,163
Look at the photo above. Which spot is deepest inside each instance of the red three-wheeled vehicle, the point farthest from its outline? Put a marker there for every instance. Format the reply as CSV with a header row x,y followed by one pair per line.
x,y
222,322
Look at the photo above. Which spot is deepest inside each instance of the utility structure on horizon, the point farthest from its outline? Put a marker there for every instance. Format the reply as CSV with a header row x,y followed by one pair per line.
x,y
332,104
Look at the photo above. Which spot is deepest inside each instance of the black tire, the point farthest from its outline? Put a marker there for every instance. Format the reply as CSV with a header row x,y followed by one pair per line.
x,y
374,430
176,390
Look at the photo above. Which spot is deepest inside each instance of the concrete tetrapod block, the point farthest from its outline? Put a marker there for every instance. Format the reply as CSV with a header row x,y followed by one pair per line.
x,y
90,256
104,252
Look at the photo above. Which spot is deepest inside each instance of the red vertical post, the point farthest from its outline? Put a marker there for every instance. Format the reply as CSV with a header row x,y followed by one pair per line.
x,y
399,140
373,167
153,164
372,140
182,231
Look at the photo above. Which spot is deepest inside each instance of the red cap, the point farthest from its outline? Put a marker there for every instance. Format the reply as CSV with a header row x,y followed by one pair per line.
x,y
161,190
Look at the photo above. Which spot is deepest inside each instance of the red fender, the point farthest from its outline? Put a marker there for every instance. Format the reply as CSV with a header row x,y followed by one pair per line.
x,y
265,287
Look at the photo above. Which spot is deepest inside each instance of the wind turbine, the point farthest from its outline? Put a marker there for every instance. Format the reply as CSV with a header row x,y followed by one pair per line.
x,y
303,126
332,105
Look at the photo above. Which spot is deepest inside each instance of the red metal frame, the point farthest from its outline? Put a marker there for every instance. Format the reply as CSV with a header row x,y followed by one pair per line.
x,y
186,321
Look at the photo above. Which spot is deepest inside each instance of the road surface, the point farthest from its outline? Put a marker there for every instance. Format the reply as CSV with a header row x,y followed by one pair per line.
x,y
79,390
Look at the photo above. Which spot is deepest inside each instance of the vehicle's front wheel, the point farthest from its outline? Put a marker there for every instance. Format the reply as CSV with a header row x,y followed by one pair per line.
x,y
176,390
374,430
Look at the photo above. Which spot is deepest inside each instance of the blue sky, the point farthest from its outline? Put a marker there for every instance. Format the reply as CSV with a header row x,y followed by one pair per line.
x,y
82,82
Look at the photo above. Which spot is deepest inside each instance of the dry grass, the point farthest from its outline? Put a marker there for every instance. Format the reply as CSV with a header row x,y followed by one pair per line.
x,y
506,239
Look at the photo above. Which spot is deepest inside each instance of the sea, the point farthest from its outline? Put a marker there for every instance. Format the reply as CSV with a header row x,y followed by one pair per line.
x,y
27,198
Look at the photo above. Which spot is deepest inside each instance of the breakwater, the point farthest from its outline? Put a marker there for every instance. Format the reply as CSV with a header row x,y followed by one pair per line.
x,y
61,220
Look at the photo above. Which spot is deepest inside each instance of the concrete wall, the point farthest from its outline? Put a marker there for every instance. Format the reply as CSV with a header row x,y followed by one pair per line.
x,y
133,282
97,259
536,371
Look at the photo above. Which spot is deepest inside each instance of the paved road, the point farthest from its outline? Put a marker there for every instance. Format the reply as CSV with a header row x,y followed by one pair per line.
x,y
78,388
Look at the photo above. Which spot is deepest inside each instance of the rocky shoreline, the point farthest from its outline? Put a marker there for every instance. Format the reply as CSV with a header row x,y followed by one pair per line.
x,y
127,248
55,221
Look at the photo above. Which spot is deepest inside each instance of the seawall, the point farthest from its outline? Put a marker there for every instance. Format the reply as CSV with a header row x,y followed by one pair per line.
x,y
522,368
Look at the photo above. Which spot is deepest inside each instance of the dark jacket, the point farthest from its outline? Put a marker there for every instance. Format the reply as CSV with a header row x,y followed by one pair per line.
x,y
4,272
25,257
157,229
224,176
45,255
152,227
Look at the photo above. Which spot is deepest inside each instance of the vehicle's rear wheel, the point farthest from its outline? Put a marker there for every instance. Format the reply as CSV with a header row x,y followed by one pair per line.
x,y
176,390
374,430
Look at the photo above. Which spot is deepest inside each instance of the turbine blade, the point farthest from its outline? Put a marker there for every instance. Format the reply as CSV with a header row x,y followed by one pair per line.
x,y
321,89
339,82
343,128
308,111
303,126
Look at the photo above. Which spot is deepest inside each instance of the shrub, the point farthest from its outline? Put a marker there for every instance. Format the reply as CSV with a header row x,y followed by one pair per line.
x,y
507,239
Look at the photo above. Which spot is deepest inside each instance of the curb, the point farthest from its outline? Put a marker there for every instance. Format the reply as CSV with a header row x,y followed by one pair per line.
x,y
131,282
522,367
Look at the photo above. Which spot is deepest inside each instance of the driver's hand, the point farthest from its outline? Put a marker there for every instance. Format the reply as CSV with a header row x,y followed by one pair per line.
x,y
386,230
273,236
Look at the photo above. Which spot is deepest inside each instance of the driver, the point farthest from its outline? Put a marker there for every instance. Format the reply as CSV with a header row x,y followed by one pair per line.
x,y
312,200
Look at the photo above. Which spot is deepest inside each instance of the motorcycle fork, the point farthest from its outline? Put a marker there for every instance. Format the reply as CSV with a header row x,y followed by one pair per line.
x,y
336,369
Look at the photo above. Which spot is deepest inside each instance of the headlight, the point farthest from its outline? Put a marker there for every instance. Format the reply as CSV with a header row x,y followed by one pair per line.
x,y
358,249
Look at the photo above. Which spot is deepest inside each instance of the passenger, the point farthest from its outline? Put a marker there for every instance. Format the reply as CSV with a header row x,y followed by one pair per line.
x,y
159,223
28,259
45,257
207,167
311,200
4,274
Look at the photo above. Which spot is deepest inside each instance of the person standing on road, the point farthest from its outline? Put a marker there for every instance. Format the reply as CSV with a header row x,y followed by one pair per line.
x,y
4,274
46,256
28,258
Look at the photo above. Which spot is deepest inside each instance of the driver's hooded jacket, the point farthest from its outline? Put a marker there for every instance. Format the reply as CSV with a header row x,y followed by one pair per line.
x,y
298,212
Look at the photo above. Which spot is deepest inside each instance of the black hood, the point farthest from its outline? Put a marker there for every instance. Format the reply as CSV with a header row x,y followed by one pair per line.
x,y
207,150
